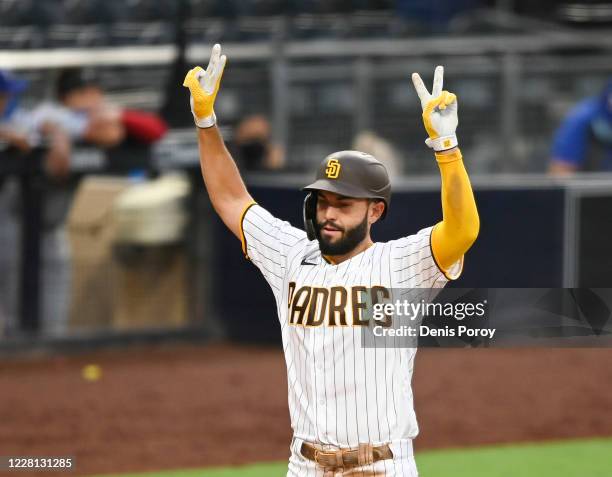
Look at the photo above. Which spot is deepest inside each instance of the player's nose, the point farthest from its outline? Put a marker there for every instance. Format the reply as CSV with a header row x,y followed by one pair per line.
x,y
330,214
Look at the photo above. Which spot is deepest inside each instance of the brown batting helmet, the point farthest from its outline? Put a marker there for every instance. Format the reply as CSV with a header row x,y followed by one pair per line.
x,y
351,174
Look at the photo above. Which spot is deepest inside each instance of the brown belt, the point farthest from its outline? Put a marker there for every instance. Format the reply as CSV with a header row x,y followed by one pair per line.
x,y
366,454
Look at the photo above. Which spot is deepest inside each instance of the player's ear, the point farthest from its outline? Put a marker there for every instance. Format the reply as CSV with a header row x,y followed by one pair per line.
x,y
376,209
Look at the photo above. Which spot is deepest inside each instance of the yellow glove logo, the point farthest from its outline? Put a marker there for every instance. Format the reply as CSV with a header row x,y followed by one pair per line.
x,y
332,171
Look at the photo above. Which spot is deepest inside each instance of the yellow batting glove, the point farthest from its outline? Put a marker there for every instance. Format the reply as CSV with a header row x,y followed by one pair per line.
x,y
203,86
439,112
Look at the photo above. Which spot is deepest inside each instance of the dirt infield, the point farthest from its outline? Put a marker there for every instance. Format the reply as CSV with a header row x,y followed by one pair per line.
x,y
187,406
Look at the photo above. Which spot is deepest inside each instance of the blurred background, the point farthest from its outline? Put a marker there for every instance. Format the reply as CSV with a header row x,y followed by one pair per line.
x,y
107,236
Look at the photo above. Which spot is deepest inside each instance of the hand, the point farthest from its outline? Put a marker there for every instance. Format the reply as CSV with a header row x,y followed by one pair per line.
x,y
203,86
439,112
16,140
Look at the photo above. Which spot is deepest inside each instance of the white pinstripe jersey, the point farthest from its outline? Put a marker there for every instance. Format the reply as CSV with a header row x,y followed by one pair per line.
x,y
340,393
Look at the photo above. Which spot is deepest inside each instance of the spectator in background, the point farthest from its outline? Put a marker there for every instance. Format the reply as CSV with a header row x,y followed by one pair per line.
x,y
10,89
373,144
84,110
99,122
583,142
81,114
23,130
253,146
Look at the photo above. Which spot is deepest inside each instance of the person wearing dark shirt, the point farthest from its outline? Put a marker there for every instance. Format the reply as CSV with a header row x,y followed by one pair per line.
x,y
254,147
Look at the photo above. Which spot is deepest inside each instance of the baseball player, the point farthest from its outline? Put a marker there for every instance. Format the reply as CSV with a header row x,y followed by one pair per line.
x,y
351,407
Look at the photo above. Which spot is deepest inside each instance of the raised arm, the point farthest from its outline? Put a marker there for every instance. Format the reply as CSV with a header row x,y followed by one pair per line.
x,y
457,231
226,189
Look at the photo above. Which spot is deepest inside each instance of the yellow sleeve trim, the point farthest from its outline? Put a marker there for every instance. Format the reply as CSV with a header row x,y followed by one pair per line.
x,y
242,237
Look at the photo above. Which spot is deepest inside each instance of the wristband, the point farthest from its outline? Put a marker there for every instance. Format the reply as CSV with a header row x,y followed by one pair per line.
x,y
442,143
207,122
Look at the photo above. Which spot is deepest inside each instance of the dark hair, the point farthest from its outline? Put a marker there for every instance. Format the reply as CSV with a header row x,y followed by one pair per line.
x,y
72,79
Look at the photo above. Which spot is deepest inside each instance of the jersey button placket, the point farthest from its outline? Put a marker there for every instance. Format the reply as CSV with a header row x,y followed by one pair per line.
x,y
316,389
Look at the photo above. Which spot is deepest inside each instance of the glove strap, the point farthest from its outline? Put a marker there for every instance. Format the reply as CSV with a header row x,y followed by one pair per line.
x,y
442,143
207,122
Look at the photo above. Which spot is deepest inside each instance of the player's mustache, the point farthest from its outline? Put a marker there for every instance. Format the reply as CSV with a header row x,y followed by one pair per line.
x,y
331,225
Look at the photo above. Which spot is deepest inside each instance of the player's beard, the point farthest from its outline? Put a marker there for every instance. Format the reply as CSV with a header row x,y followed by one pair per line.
x,y
349,240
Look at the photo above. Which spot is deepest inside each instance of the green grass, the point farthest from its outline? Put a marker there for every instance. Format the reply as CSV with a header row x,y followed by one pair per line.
x,y
588,458
577,458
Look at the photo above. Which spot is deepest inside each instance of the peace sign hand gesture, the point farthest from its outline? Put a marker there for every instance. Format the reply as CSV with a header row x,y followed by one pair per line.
x,y
439,112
